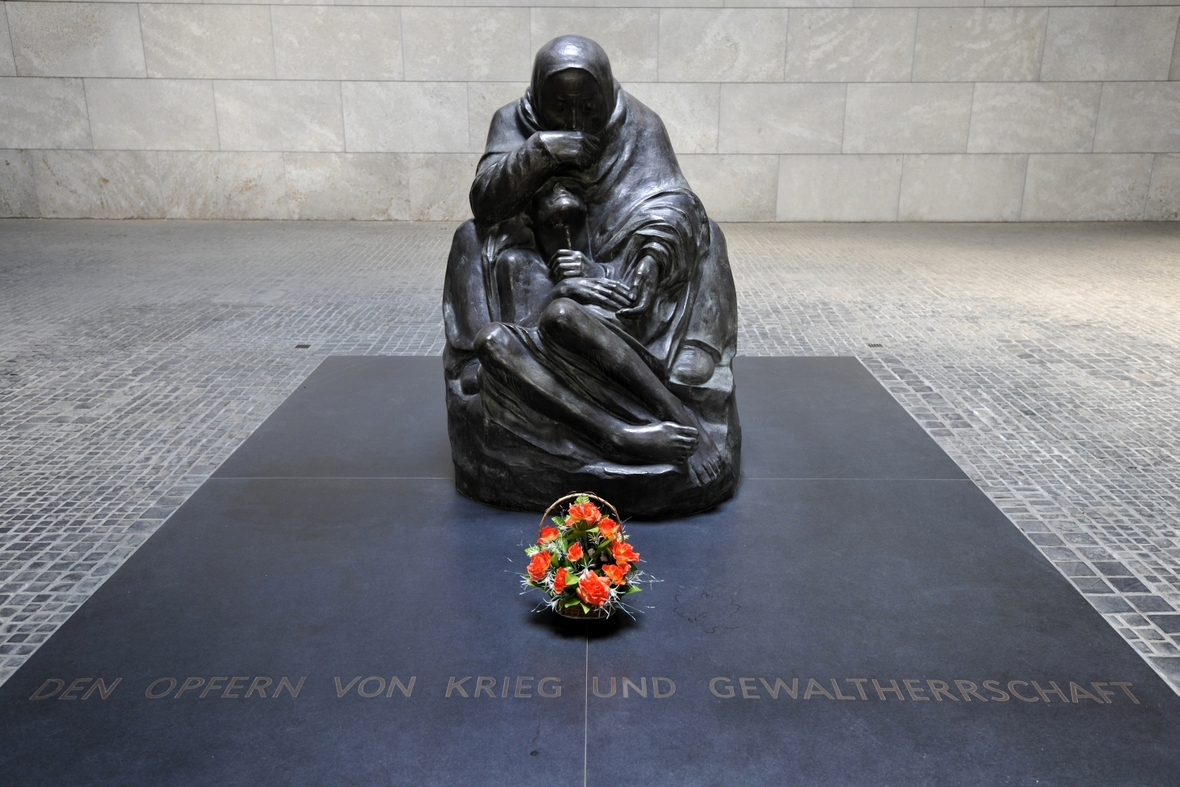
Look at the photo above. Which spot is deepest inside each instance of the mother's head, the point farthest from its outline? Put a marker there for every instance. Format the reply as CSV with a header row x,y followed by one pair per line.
x,y
572,87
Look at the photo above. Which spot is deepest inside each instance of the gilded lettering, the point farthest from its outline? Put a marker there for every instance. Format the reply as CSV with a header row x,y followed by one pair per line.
x,y
504,692
994,687
1126,687
641,689
342,690
860,686
792,690
1077,693
940,689
893,687
1012,688
968,690
660,694
151,692
598,693
214,685
485,684
524,686
1105,693
453,686
915,692
814,687
749,692
1053,689
556,692
839,694
361,690
260,685
232,688
406,690
100,685
292,690
189,684
727,688
75,686
42,694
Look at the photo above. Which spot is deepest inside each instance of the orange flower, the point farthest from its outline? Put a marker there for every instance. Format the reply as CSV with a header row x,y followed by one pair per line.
x,y
559,580
575,552
585,512
539,565
617,573
592,588
608,527
547,534
623,552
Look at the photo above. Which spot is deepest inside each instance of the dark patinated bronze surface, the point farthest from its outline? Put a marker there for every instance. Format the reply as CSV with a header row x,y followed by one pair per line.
x,y
590,310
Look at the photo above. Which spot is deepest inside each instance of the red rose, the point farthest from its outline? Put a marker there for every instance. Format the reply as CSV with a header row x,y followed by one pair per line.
x,y
539,565
559,580
547,534
617,573
623,552
592,588
575,552
609,528
585,512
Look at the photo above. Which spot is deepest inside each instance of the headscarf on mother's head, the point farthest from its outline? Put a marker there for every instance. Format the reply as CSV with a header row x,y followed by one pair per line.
x,y
565,53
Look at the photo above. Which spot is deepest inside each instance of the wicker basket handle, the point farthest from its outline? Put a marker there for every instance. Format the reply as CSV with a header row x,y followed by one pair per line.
x,y
574,496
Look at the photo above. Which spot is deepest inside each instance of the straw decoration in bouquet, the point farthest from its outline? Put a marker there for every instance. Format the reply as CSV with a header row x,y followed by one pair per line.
x,y
582,560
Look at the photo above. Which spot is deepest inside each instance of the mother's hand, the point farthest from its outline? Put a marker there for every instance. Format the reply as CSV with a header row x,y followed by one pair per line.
x,y
570,147
644,282
606,293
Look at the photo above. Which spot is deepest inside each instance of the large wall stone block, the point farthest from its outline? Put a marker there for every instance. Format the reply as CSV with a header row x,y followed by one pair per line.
x,y
43,113
734,188
722,45
771,118
406,117
483,99
962,187
907,118
838,188
7,62
223,185
345,186
1109,43
1139,117
18,188
344,42
850,45
279,116
1174,71
1163,196
630,36
1086,187
98,184
690,111
152,114
979,44
1034,117
208,41
438,185
76,39
487,44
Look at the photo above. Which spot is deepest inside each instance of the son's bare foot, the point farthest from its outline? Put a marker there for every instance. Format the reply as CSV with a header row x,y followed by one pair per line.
x,y
658,443
705,464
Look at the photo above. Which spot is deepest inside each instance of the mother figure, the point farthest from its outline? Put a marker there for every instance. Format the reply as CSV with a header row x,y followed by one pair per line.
x,y
589,308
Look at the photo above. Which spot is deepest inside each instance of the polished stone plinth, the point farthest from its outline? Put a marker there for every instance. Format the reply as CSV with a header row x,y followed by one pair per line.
x,y
858,614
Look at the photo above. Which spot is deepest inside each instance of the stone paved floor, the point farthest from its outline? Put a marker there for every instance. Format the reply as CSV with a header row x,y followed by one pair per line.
x,y
135,356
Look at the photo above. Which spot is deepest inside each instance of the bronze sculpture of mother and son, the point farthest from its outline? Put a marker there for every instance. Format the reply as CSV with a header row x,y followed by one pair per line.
x,y
590,312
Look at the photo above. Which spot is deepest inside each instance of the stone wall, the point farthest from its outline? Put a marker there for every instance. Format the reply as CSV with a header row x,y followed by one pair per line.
x,y
951,111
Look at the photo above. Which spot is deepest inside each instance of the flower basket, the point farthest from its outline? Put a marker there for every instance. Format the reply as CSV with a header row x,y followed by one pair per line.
x,y
582,560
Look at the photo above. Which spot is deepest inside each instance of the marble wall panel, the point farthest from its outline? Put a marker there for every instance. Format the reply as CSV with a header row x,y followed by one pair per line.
x,y
962,187
630,36
850,45
223,185
279,115
98,184
76,39
1139,117
348,186
486,44
483,99
18,188
406,117
690,112
734,188
1163,195
1109,43
1086,187
1174,71
783,118
208,41
722,45
344,42
838,188
152,114
42,112
439,184
1034,117
7,63
979,44
907,118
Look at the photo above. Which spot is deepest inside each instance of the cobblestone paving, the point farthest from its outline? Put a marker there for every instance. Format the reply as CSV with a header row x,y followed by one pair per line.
x,y
136,356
